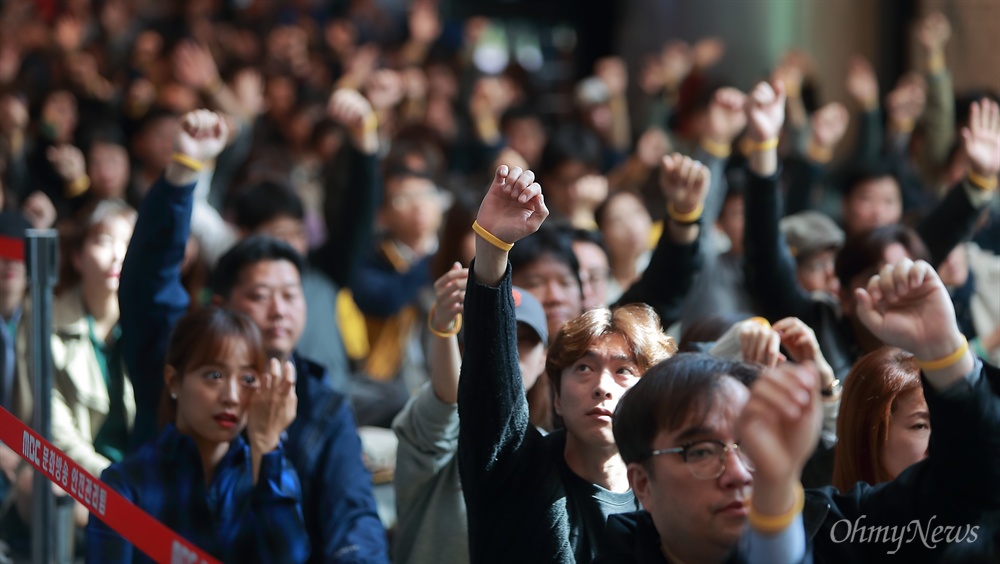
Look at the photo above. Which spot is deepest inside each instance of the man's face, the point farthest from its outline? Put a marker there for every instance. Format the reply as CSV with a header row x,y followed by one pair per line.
x,y
289,230
816,273
872,204
595,273
270,292
557,186
527,137
413,210
686,509
555,286
591,387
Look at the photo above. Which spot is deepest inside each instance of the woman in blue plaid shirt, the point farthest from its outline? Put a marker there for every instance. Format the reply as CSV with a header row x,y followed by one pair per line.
x,y
231,493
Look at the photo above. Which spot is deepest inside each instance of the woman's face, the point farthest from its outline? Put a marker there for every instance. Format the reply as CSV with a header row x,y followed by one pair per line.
x,y
213,399
99,261
626,226
909,433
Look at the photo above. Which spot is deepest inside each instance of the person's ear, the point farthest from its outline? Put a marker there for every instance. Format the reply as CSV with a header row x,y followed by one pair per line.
x,y
76,261
171,380
556,401
639,481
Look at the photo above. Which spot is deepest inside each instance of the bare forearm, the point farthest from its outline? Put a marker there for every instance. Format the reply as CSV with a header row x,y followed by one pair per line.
x,y
446,361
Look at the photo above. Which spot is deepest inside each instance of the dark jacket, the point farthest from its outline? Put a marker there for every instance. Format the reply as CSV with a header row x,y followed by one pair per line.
x,y
957,486
323,443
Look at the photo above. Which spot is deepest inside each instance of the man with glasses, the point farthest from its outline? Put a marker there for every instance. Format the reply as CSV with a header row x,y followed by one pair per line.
x,y
675,429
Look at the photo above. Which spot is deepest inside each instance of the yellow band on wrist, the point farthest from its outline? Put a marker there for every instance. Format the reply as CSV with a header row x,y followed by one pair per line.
x,y
982,182
716,149
935,63
187,161
819,154
371,123
491,238
686,218
77,187
213,86
761,321
762,146
946,361
770,524
456,326
904,125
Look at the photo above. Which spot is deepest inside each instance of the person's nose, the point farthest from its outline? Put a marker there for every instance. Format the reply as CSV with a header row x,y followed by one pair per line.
x,y
278,307
737,474
602,389
230,393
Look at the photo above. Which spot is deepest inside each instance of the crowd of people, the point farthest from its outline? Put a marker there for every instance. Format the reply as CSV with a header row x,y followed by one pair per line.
x,y
703,335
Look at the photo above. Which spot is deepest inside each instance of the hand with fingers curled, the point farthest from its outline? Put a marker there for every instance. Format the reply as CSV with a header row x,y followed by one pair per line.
x,y
352,110
514,207
202,135
779,429
800,342
685,184
449,299
273,406
760,343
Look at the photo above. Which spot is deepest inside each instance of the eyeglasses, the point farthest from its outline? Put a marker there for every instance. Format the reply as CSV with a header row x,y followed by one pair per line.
x,y
707,459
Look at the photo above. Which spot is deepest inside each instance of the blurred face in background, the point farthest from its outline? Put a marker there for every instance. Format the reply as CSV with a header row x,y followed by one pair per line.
x,y
412,210
595,273
555,286
873,203
99,260
289,229
816,273
108,168
156,143
625,226
731,221
527,137
13,284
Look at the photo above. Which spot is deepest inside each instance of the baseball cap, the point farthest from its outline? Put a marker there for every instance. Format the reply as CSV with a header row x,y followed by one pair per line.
x,y
12,228
528,311
810,232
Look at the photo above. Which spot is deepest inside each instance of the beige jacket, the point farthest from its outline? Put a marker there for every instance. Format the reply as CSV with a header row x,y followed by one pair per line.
x,y
80,402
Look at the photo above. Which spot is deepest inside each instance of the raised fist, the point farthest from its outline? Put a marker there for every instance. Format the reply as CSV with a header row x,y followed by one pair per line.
x,y
68,161
861,82
726,115
684,182
513,207
352,110
202,135
933,31
766,111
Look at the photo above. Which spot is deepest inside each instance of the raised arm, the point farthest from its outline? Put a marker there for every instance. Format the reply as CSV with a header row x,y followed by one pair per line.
x,y
352,194
933,33
676,260
151,296
862,85
805,177
493,411
954,218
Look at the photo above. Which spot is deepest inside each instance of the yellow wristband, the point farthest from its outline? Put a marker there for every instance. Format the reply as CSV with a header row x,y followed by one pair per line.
x,y
944,362
214,86
770,524
982,182
187,161
77,187
935,63
904,125
819,154
761,321
491,238
371,123
455,327
685,218
716,149
762,146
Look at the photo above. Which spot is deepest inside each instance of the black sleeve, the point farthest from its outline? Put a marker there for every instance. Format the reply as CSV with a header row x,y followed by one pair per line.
x,y
353,191
668,278
948,224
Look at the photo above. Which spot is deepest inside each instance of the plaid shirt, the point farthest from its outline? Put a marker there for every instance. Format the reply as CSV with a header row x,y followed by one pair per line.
x,y
231,518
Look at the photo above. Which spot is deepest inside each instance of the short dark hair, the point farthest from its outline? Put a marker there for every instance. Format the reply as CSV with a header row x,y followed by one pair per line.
x,y
550,240
251,250
522,112
867,172
260,203
863,252
592,237
571,142
668,395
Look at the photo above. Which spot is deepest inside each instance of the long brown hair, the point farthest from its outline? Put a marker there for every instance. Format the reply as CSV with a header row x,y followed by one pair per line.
x,y
871,394
203,336
637,323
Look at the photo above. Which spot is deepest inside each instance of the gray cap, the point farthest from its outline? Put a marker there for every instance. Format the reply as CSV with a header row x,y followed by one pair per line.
x,y
592,91
528,310
810,232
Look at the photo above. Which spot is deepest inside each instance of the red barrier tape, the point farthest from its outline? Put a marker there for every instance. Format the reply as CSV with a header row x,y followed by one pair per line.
x,y
150,536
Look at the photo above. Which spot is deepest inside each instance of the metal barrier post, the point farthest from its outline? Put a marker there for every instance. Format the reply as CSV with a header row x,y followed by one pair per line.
x,y
40,257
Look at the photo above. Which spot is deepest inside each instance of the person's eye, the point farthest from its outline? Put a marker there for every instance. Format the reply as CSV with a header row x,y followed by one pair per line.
x,y
250,380
920,426
701,452
627,371
582,367
213,375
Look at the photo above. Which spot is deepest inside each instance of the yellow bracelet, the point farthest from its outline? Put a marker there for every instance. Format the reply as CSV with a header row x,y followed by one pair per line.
x,y
685,218
456,326
761,321
770,524
935,63
752,147
187,161
716,149
904,125
77,187
213,87
819,154
944,362
983,183
371,123
491,238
